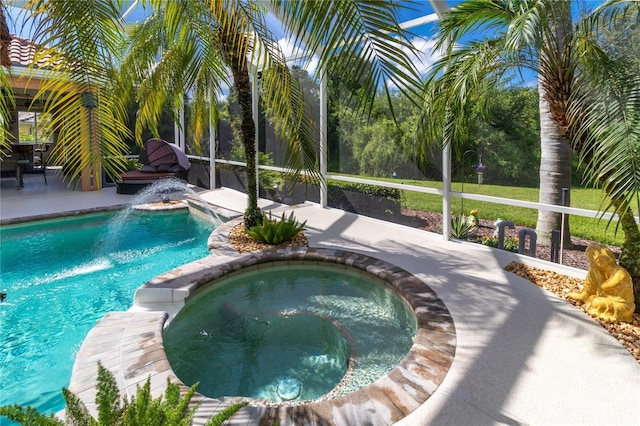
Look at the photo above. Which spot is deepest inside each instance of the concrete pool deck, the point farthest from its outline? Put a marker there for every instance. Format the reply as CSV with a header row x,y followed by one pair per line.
x,y
523,356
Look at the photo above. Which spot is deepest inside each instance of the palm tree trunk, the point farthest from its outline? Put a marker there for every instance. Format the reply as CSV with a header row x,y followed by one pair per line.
x,y
555,174
252,215
556,73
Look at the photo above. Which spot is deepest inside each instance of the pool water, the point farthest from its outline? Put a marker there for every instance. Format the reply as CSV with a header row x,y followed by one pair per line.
x,y
286,333
61,276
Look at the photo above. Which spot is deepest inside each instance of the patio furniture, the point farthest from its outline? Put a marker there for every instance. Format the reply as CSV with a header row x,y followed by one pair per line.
x,y
39,164
12,167
160,160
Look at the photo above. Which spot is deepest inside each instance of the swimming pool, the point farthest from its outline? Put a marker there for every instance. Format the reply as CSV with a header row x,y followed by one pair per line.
x,y
62,275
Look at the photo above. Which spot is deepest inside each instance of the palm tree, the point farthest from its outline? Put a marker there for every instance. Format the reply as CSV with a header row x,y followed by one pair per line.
x,y
533,34
75,49
588,100
200,47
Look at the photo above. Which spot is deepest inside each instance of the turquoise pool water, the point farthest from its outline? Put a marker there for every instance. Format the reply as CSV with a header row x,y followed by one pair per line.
x,y
61,276
286,333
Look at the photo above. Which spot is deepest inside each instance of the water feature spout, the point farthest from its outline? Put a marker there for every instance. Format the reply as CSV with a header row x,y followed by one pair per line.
x,y
169,192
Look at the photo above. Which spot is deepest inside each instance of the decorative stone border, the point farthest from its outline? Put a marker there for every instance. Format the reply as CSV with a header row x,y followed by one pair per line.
x,y
130,343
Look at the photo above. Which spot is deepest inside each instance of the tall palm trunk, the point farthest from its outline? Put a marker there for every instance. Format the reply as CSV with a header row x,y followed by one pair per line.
x,y
242,83
556,74
555,173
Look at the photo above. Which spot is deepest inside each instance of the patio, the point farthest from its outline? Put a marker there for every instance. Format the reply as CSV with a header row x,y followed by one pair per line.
x,y
523,356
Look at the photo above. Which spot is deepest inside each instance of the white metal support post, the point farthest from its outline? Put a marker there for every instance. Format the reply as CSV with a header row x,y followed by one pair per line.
x,y
255,111
212,148
441,7
323,141
446,192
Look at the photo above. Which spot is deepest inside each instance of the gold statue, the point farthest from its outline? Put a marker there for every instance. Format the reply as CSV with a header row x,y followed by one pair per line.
x,y
608,289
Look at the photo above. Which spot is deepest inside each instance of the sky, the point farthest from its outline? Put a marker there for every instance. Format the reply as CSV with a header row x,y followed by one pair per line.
x,y
421,35
137,13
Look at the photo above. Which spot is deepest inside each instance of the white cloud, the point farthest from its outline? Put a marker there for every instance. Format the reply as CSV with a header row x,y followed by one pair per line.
x,y
423,55
290,50
426,55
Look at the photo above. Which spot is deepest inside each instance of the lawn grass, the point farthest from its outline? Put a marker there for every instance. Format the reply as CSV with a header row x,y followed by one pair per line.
x,y
586,198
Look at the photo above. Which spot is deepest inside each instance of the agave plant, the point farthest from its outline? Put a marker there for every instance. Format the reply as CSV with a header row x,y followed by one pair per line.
x,y
273,231
461,228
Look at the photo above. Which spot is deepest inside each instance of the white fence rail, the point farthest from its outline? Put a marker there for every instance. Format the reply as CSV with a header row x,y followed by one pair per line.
x,y
464,195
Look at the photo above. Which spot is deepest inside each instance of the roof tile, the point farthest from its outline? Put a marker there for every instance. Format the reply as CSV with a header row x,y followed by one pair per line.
x,y
22,51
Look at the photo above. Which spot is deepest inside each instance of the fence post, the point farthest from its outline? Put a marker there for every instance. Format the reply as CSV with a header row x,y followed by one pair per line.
x,y
555,245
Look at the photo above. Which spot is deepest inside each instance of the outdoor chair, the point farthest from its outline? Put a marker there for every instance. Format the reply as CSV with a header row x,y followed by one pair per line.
x,y
9,168
40,162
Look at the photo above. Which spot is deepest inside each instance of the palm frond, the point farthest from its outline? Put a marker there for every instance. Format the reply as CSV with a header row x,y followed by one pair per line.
x,y
75,52
7,104
606,14
451,84
605,113
478,16
358,43
470,68
285,107
174,52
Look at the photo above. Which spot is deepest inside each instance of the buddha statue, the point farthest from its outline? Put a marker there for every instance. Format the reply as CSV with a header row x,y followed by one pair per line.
x,y
608,289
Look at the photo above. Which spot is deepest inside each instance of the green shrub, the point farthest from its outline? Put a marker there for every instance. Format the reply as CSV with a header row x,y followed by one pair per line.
x,y
461,228
133,164
142,410
273,231
510,244
370,200
378,191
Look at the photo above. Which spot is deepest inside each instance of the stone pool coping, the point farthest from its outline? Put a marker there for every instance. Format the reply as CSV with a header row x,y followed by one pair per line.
x,y
130,343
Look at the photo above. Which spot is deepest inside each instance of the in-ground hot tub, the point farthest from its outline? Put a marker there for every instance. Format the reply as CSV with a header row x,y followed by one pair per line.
x,y
294,331
388,399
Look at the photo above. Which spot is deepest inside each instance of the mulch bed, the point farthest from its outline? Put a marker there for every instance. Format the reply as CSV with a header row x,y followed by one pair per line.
x,y
573,256
243,243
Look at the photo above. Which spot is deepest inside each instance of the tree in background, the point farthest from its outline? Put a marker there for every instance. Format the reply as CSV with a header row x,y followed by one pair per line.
x,y
504,127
